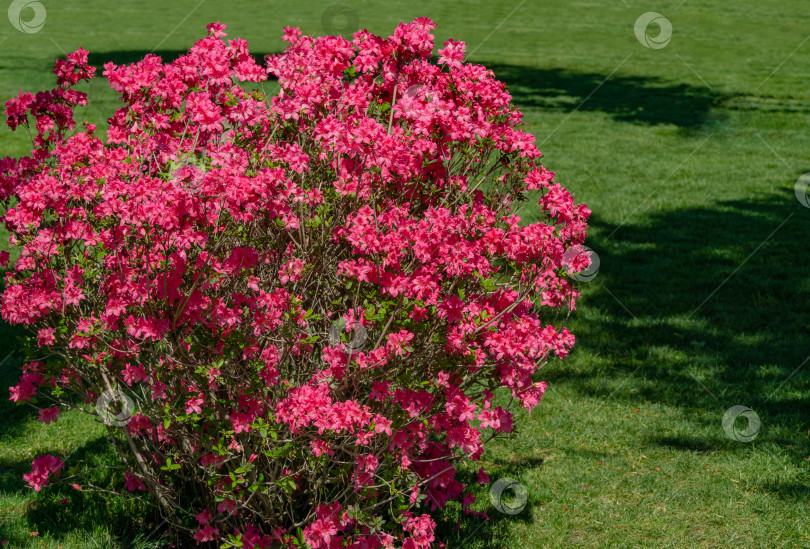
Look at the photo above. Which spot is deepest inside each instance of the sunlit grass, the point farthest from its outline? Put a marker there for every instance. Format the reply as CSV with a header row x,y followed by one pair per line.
x,y
687,156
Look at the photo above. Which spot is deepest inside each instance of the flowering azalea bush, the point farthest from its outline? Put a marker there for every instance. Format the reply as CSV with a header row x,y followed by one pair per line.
x,y
309,299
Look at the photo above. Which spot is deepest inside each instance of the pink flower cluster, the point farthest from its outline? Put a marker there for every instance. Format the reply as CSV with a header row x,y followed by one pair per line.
x,y
200,255
41,470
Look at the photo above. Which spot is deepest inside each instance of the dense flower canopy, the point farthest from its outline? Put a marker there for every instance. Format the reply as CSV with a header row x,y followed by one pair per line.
x,y
313,296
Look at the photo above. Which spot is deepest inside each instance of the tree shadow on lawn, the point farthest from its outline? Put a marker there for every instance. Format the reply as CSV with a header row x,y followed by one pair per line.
x,y
12,416
456,528
712,329
60,510
639,99
790,491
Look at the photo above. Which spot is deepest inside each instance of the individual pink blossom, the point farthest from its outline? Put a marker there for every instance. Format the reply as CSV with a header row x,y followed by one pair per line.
x,y
47,415
226,506
496,418
468,500
194,404
241,422
204,516
24,391
452,54
398,342
45,336
41,469
320,532
134,373
206,533
421,530
133,483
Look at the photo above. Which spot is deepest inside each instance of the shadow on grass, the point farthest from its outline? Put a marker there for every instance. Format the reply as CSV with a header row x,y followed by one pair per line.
x,y
788,490
12,416
701,309
696,310
692,444
638,99
60,510
458,529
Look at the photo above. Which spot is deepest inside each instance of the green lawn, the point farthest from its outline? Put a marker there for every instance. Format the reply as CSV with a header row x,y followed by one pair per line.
x,y
687,156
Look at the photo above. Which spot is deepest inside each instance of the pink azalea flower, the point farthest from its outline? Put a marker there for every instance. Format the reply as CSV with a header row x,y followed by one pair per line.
x,y
47,415
41,469
206,533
